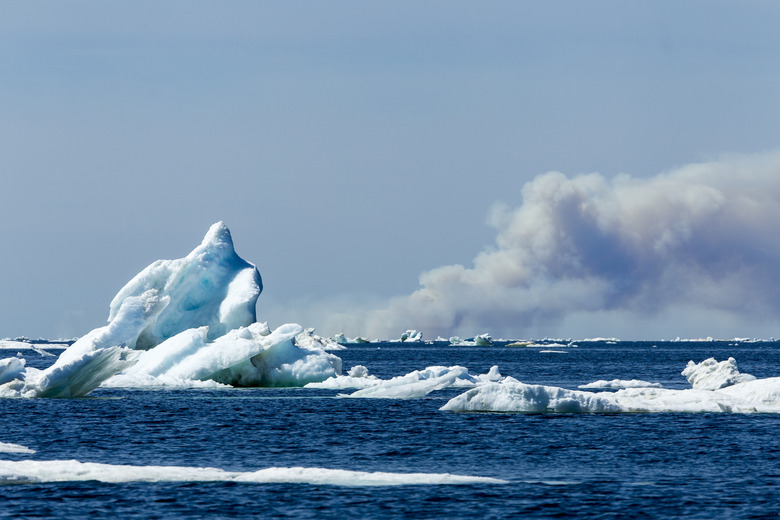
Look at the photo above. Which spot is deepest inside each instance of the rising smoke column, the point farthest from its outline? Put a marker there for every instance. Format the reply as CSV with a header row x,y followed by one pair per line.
x,y
703,236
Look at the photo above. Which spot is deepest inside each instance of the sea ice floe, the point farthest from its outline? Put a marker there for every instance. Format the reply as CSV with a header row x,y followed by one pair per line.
x,y
712,375
420,383
32,471
510,395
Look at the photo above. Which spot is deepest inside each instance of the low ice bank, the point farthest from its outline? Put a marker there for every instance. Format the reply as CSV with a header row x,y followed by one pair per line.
x,y
189,319
32,471
717,387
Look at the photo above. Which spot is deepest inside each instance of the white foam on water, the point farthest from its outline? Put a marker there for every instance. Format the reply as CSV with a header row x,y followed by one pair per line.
x,y
75,471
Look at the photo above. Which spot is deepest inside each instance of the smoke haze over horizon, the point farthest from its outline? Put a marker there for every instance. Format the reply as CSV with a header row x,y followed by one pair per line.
x,y
695,248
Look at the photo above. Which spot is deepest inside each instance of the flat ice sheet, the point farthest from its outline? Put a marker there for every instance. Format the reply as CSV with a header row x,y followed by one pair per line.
x,y
41,471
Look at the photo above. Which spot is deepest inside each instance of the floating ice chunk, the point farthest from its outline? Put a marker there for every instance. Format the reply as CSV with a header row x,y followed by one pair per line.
x,y
343,340
483,340
11,368
510,395
492,375
411,336
309,340
711,375
29,471
519,343
6,447
357,377
620,383
212,286
422,382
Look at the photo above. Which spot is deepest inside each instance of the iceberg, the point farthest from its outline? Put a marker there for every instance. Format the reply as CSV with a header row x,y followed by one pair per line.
x,y
212,286
411,336
483,340
178,321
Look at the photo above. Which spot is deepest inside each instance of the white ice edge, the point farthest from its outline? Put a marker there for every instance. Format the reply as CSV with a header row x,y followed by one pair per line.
x,y
6,447
74,471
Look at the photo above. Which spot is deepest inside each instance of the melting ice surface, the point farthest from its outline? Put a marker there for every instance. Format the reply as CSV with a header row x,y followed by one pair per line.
x,y
176,323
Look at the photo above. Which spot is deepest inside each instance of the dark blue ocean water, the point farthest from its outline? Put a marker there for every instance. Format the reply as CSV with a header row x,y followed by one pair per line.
x,y
580,465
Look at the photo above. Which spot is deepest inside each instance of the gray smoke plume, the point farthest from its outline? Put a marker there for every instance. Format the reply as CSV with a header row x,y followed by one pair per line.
x,y
699,242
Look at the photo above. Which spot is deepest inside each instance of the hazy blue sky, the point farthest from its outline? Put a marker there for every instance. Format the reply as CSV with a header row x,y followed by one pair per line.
x,y
352,146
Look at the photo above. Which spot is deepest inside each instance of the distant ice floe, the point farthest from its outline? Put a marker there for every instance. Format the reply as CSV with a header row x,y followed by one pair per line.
x,y
481,340
44,471
731,393
533,344
343,340
190,319
411,336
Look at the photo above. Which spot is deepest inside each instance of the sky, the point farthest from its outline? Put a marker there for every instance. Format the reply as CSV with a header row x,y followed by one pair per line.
x,y
525,169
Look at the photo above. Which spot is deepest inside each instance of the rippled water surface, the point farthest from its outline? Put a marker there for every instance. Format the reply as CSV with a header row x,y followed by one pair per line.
x,y
584,465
